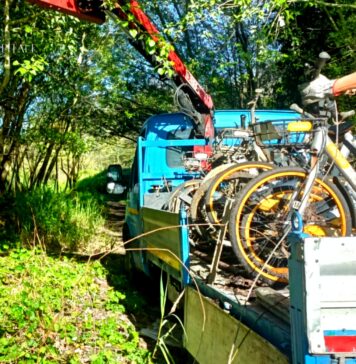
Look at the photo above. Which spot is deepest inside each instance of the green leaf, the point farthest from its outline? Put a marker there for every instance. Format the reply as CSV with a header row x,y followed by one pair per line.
x,y
21,70
151,42
28,29
133,33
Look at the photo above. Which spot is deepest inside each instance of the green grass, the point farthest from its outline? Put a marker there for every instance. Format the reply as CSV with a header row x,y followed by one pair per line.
x,y
92,181
57,310
95,183
58,220
62,311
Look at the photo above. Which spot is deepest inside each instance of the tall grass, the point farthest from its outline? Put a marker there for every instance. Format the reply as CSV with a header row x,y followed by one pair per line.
x,y
59,220
92,181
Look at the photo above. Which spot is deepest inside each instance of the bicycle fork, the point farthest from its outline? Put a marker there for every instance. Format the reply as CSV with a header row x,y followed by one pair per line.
x,y
305,186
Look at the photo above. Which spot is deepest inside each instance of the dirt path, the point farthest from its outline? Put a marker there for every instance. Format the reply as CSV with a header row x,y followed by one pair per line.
x,y
115,211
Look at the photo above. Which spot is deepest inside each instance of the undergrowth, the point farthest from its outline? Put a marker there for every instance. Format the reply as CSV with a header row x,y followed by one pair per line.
x,y
63,221
61,311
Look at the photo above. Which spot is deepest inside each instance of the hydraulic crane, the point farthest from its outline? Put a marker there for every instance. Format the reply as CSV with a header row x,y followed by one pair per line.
x,y
191,96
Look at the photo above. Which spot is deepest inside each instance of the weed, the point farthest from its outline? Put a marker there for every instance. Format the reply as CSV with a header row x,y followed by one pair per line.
x,y
166,327
57,310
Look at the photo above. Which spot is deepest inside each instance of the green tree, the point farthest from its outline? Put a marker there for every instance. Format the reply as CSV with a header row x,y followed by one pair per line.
x,y
62,79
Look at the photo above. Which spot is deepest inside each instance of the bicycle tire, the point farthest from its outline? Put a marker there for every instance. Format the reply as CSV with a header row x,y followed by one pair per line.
x,y
200,193
197,211
214,205
258,222
189,187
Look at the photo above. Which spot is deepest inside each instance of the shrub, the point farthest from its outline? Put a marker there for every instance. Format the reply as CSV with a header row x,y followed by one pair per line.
x,y
60,220
93,183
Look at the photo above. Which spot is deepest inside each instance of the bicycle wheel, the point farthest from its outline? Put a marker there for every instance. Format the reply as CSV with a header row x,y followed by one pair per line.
x,y
200,193
227,184
260,219
185,190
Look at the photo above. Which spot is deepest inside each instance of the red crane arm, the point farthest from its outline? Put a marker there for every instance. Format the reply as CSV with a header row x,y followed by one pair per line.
x,y
71,7
92,10
178,64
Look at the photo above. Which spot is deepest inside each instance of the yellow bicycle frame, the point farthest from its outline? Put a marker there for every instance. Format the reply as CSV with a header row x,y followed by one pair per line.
x,y
341,162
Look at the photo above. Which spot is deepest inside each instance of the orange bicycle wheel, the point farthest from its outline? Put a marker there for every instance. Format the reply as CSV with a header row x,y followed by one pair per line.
x,y
260,219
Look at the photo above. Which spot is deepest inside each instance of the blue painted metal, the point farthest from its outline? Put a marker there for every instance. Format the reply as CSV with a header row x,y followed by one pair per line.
x,y
185,250
140,163
173,143
297,223
166,133
340,332
232,118
327,359
299,340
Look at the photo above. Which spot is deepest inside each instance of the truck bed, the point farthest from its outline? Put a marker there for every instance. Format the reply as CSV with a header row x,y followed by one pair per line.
x,y
254,303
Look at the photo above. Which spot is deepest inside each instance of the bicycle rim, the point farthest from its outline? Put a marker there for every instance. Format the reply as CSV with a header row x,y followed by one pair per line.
x,y
215,204
263,214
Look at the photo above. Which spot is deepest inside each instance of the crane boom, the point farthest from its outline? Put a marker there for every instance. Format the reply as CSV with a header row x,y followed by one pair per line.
x,y
192,96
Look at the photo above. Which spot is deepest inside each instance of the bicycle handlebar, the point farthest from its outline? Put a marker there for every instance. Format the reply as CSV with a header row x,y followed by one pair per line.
x,y
323,58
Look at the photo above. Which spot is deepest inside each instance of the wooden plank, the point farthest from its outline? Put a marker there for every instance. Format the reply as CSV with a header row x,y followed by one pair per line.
x,y
276,302
222,338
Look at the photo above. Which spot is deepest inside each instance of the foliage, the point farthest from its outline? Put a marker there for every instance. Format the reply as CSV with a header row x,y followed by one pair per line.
x,y
62,81
92,183
65,83
57,310
102,154
312,27
236,46
58,220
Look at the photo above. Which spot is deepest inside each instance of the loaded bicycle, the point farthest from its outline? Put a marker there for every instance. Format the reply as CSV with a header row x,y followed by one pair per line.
x,y
260,218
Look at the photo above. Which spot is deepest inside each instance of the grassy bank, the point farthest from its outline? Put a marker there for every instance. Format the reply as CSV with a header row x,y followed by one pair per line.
x,y
57,309
58,220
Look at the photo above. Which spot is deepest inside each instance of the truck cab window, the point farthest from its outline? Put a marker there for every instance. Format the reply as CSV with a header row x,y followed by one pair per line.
x,y
174,155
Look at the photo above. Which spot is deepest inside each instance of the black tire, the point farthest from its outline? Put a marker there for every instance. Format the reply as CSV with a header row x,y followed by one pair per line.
x,y
188,188
198,198
227,185
261,215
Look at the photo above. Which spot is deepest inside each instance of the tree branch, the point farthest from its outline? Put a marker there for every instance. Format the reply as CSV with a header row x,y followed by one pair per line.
x,y
7,45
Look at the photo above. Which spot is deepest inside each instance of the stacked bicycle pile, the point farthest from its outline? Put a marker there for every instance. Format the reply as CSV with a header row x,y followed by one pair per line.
x,y
263,174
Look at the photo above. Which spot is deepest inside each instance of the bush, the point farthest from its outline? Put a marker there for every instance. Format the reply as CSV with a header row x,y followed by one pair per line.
x,y
93,183
60,220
